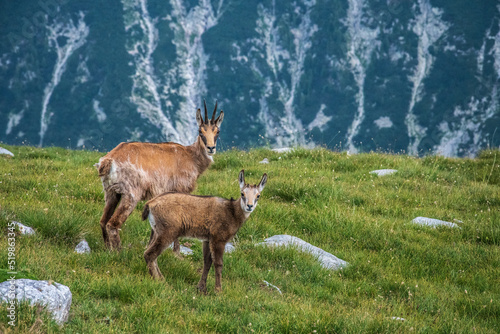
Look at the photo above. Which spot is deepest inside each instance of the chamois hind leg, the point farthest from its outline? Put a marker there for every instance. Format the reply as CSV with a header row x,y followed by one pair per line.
x,y
155,248
207,263
124,209
217,251
112,199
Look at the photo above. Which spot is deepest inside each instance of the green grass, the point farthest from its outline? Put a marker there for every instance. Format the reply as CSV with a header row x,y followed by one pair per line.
x,y
440,280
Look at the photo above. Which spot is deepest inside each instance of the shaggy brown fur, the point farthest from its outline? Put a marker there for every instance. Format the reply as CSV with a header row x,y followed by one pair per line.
x,y
133,172
212,219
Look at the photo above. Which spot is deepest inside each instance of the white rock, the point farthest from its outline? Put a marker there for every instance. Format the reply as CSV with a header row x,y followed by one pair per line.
x,y
24,229
7,152
183,249
265,161
433,222
282,150
229,248
398,318
56,297
186,251
326,259
383,172
83,247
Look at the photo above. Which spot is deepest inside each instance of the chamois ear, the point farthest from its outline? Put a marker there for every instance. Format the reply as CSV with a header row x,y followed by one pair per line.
x,y
241,179
219,119
262,182
199,120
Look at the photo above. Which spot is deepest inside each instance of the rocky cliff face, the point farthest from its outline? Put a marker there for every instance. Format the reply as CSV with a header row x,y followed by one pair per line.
x,y
414,76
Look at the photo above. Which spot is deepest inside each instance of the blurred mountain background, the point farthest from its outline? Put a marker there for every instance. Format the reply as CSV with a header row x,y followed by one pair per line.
x,y
407,76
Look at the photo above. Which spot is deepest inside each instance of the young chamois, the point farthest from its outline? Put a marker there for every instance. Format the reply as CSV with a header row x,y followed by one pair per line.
x,y
134,171
213,220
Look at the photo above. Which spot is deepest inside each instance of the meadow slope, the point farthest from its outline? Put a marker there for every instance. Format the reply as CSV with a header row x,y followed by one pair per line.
x,y
439,280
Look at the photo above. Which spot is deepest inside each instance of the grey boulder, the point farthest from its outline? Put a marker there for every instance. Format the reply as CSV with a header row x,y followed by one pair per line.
x,y
83,247
56,297
326,259
229,248
433,222
383,172
6,152
24,229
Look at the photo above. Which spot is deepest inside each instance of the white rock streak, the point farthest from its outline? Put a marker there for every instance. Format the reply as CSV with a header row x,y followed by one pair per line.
x,y
464,137
282,125
145,92
360,46
320,121
189,27
99,112
185,78
428,27
383,122
74,37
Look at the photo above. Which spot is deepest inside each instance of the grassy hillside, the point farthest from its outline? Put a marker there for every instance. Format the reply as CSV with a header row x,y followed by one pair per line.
x,y
439,280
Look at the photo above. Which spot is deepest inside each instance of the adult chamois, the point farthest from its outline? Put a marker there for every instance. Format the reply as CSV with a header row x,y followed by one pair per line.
x,y
134,171
213,220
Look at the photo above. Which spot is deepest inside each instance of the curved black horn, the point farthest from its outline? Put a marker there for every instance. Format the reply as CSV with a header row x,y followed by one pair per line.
x,y
215,110
206,112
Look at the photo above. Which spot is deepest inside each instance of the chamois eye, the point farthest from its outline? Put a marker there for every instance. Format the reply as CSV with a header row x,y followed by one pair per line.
x,y
242,195
258,196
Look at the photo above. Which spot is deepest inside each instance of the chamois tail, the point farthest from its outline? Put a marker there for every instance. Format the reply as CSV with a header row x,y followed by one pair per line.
x,y
104,167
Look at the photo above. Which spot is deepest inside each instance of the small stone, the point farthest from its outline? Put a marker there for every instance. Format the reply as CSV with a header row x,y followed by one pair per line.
x,y
326,259
229,248
83,247
183,249
55,296
265,161
24,229
186,251
383,172
433,222
398,318
6,152
282,150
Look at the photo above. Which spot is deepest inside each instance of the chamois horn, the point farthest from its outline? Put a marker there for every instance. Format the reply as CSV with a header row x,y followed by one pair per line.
x,y
213,116
206,112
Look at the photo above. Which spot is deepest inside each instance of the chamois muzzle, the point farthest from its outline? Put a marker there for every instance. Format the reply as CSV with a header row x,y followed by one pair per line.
x,y
211,149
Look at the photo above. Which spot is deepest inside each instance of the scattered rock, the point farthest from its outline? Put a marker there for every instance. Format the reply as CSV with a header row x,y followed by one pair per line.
x,y
282,150
383,172
326,259
229,248
24,229
83,247
56,297
433,222
6,152
273,286
186,251
183,249
265,161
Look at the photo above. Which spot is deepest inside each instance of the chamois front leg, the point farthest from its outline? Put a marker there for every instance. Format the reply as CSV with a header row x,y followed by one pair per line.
x,y
217,250
207,263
